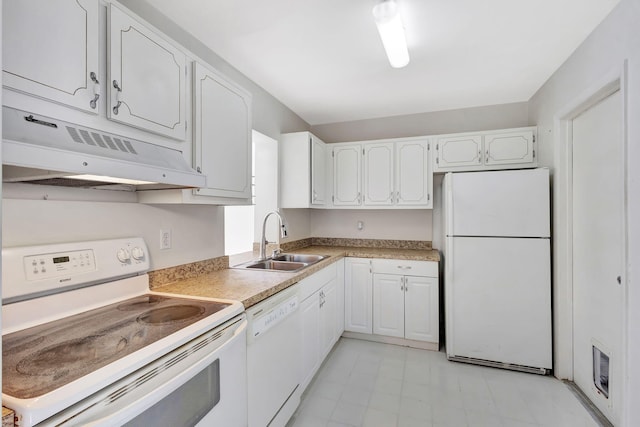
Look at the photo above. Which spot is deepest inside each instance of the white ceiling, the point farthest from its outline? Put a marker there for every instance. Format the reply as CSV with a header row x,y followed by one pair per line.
x,y
324,59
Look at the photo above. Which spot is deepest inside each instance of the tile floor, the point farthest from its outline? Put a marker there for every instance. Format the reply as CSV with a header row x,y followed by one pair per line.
x,y
370,384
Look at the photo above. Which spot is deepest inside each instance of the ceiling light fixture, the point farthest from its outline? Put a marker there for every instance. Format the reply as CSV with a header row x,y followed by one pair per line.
x,y
387,17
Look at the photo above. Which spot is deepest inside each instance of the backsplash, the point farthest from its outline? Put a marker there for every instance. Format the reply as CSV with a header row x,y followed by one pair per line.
x,y
371,243
186,271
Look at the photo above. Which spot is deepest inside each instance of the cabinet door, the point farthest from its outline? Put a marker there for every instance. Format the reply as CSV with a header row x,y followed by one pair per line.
x,y
328,309
346,175
146,78
50,50
222,125
509,148
318,168
463,152
388,305
378,174
357,295
340,298
421,308
413,174
310,338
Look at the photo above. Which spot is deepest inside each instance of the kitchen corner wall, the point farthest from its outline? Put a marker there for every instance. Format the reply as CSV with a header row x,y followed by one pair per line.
x,y
397,224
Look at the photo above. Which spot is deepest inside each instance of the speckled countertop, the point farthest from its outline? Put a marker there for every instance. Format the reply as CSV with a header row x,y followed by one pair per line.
x,y
252,286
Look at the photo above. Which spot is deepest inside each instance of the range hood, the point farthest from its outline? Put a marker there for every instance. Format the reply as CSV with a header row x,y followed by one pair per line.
x,y
41,150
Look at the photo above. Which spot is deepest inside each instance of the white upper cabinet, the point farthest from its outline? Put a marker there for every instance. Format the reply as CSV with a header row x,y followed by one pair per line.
x,y
318,171
378,174
413,176
303,168
147,78
222,131
458,152
51,50
396,173
506,148
347,177
501,149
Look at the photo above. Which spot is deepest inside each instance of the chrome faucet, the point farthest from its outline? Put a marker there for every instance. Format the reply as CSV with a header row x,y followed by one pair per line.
x,y
263,240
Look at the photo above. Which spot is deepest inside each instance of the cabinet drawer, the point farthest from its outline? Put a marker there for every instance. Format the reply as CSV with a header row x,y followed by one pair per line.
x,y
405,267
311,284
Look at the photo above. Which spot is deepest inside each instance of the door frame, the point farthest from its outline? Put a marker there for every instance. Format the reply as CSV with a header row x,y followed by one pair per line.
x,y
609,83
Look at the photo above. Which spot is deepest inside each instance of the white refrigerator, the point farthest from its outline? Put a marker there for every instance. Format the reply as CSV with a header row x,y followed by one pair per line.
x,y
497,269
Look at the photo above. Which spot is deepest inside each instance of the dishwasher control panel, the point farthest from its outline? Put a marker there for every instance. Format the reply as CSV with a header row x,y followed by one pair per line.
x,y
264,320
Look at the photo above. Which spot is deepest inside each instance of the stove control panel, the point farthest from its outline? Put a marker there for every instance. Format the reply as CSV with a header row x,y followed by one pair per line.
x,y
39,267
31,271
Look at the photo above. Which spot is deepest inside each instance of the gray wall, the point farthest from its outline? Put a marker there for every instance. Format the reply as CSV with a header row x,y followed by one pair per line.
x,y
603,53
433,123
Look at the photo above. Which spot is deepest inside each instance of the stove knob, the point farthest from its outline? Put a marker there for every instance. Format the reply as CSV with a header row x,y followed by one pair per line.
x,y
123,255
137,253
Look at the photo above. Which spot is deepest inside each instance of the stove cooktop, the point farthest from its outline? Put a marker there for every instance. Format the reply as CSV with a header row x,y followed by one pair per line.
x,y
43,358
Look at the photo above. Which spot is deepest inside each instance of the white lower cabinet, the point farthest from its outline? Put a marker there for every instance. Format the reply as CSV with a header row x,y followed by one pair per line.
x,y
357,295
405,307
319,319
392,298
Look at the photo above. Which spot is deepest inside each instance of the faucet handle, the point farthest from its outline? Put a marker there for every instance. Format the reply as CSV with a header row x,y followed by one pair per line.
x,y
275,252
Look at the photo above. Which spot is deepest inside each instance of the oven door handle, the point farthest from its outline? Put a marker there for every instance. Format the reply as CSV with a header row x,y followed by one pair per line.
x,y
139,391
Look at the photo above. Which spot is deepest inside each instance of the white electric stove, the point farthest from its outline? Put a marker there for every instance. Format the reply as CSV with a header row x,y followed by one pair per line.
x,y
85,342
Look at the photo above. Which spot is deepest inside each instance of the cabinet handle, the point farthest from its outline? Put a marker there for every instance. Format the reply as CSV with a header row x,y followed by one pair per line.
x,y
479,156
315,196
96,90
119,91
359,197
405,267
486,157
392,197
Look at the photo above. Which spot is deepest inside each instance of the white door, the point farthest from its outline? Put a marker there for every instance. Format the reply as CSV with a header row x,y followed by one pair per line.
x,y
357,295
421,321
413,180
318,170
388,305
146,78
598,239
377,184
509,148
50,50
458,152
498,300
222,124
346,175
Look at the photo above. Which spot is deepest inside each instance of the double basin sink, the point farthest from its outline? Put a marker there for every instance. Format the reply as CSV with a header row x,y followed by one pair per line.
x,y
284,262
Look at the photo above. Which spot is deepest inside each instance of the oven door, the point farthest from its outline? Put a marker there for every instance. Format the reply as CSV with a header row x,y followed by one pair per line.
x,y
201,383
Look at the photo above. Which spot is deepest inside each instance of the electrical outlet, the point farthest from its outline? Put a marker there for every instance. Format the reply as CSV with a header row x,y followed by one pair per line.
x,y
165,239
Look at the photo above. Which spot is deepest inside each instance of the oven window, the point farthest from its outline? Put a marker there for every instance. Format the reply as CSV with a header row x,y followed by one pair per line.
x,y
186,405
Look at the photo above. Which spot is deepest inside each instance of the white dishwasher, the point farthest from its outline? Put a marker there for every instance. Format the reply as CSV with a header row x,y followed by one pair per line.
x,y
273,359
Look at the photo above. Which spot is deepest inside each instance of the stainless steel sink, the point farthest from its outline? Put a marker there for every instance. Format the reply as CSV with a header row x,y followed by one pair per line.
x,y
306,258
284,262
277,265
